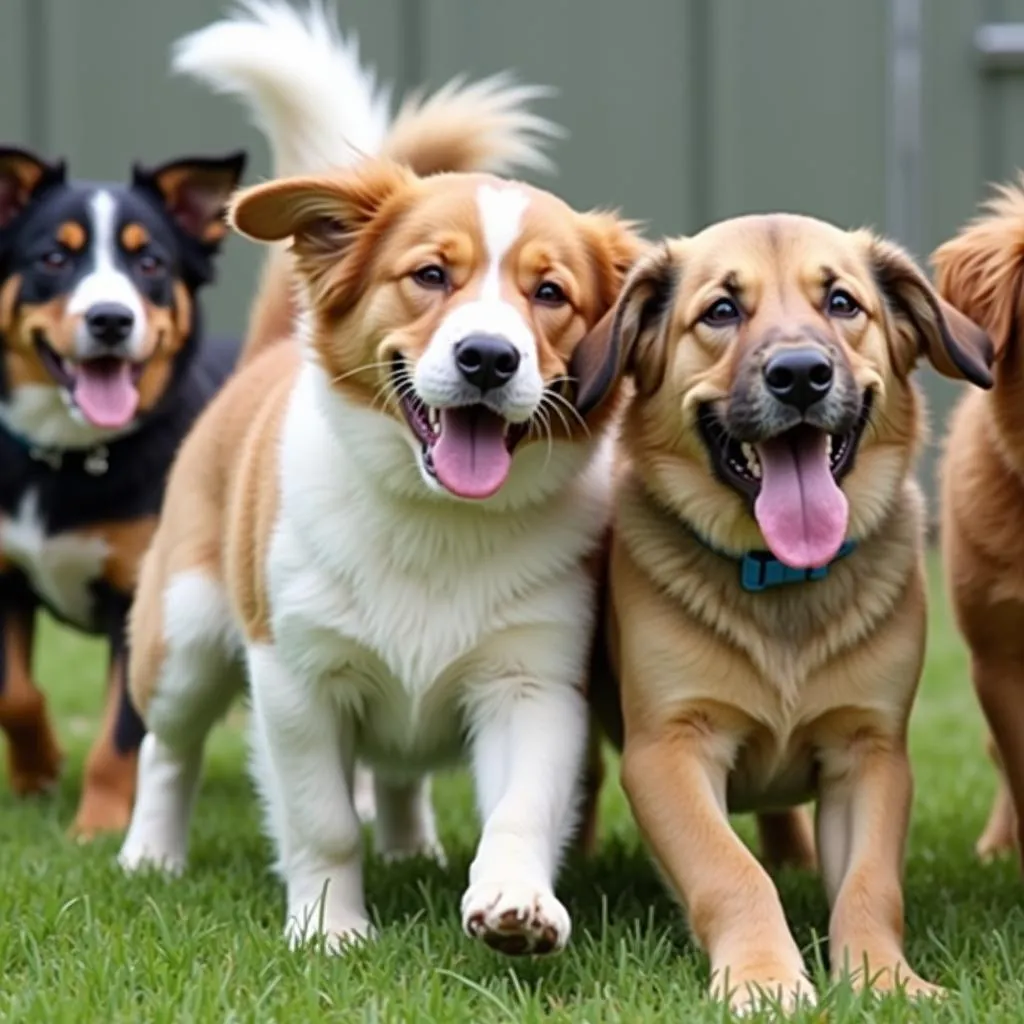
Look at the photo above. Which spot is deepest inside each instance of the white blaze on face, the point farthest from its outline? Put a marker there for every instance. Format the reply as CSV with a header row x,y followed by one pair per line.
x,y
437,379
106,282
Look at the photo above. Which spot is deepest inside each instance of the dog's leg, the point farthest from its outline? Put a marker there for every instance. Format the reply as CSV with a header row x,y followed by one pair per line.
x,y
405,824
864,808
363,796
527,751
787,839
196,675
1000,833
676,784
998,682
33,756
106,803
303,763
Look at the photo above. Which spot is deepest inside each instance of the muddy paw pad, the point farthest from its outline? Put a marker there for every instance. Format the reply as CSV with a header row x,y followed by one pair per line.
x,y
515,921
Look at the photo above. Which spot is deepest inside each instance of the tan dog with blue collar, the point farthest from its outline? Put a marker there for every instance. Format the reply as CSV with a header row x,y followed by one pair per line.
x,y
772,358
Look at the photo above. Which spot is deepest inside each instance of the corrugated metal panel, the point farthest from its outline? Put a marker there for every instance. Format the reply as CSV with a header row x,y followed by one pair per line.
x,y
16,101
625,90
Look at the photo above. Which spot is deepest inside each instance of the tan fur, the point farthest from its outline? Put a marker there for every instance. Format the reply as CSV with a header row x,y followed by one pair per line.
x,y
447,133
768,699
33,755
982,481
272,318
134,236
109,784
72,235
234,432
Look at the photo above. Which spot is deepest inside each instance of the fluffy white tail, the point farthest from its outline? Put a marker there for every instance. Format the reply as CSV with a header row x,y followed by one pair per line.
x,y
320,108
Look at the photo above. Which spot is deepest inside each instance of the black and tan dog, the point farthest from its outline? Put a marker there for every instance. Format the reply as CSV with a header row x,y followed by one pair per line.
x,y
103,370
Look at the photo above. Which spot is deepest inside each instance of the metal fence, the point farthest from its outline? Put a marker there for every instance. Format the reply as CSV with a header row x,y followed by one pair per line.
x,y
889,113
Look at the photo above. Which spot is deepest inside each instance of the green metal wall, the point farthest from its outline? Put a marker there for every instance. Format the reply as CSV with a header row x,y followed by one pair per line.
x,y
680,111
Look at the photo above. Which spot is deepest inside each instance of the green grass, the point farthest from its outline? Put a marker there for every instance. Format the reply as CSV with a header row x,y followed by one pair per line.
x,y
79,942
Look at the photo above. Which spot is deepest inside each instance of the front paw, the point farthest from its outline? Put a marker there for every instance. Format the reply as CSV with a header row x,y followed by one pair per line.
x,y
34,762
307,926
753,989
100,813
515,918
893,977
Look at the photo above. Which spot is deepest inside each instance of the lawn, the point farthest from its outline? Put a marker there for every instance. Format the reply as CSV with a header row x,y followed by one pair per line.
x,y
79,942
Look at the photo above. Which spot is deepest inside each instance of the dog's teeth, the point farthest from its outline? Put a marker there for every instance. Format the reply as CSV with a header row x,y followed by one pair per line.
x,y
828,444
433,418
752,461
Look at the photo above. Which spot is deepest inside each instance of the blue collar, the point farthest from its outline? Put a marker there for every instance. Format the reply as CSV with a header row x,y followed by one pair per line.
x,y
761,570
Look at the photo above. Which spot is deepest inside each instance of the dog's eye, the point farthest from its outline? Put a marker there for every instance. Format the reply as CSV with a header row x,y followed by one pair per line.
x,y
841,303
550,294
431,276
149,264
55,259
721,313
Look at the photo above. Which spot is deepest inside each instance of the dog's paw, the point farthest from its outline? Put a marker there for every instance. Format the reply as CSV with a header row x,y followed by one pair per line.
x,y
34,767
515,918
331,935
754,992
429,849
994,844
152,853
99,814
895,978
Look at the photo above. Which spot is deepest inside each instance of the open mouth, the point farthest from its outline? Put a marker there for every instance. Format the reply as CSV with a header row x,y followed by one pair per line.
x,y
792,480
104,389
467,448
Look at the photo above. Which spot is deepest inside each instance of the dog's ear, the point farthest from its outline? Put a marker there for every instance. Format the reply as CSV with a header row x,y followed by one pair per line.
x,y
22,175
326,217
615,247
924,323
633,338
195,191
981,270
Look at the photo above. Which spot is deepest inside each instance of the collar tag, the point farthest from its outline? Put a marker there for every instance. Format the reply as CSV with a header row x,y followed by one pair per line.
x,y
761,570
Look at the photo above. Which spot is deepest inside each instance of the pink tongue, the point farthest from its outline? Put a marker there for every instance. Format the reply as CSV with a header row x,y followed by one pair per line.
x,y
470,457
105,392
800,509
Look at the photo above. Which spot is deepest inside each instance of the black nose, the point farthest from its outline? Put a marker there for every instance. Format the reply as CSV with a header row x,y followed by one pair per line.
x,y
486,360
799,376
109,322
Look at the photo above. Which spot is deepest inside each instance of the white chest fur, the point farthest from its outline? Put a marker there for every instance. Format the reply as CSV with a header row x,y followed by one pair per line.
x,y
60,567
418,608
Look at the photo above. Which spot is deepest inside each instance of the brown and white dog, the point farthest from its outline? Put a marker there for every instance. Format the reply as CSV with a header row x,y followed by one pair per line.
x,y
389,520
767,619
980,271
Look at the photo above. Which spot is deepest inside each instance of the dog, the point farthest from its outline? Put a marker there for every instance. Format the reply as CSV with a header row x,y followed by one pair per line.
x,y
104,367
389,520
767,616
982,486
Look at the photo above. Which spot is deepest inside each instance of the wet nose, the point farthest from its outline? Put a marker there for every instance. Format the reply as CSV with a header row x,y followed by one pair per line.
x,y
799,376
486,360
109,323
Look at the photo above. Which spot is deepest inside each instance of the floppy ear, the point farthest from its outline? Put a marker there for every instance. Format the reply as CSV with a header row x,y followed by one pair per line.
x,y
980,270
925,323
630,339
615,247
195,191
325,216
21,174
